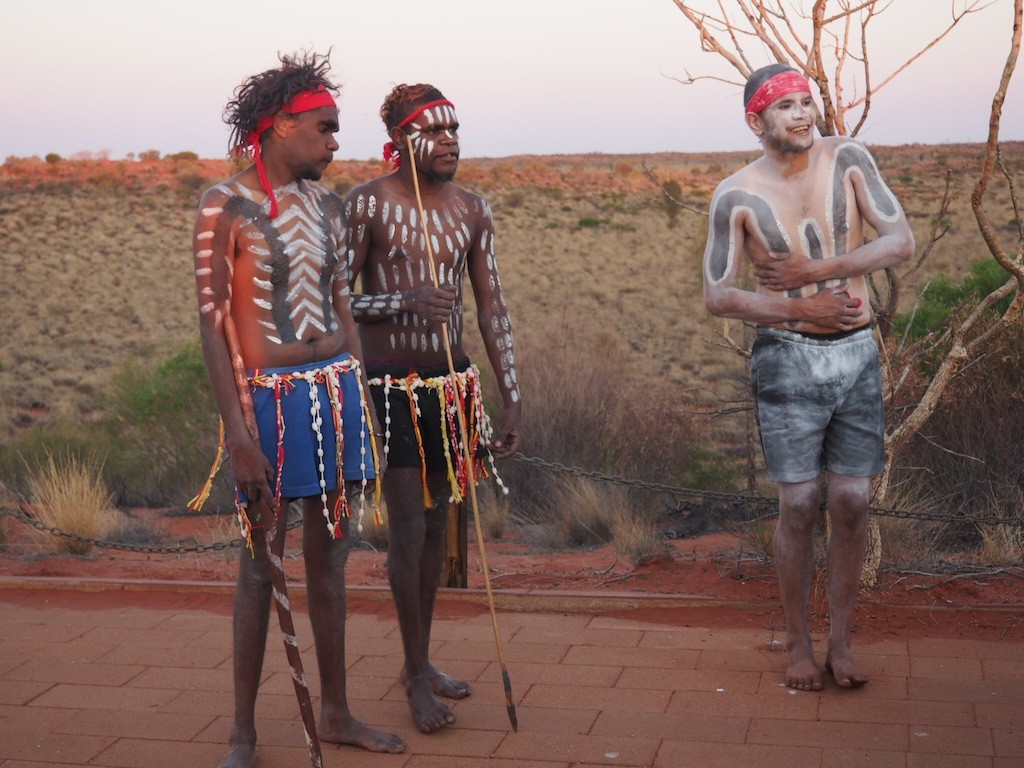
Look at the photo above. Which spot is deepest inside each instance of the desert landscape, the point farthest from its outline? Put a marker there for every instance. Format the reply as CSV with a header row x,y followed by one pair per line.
x,y
593,256
98,259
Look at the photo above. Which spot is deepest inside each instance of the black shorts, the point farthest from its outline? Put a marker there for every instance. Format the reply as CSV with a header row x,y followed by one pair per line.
x,y
432,430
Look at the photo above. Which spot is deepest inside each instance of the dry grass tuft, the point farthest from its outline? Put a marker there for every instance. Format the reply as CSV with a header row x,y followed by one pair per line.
x,y
577,514
69,494
1003,543
494,508
635,538
908,544
756,536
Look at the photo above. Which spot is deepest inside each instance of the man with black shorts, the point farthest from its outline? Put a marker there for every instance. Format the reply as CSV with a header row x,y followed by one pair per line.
x,y
400,314
797,214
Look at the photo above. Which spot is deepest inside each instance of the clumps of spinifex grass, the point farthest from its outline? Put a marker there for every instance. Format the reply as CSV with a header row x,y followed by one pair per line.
x,y
1003,542
635,538
69,494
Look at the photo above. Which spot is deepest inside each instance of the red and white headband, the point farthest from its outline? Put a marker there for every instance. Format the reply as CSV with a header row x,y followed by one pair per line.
x,y
391,149
776,87
301,102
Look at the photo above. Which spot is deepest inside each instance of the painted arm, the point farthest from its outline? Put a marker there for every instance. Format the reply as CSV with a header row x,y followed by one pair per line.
x,y
427,301
873,200
732,211
213,254
496,331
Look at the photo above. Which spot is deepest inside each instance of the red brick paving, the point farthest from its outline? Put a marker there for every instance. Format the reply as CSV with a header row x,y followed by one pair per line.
x,y
122,679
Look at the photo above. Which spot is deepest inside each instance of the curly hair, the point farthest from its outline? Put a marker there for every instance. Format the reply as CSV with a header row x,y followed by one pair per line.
x,y
403,99
759,77
266,93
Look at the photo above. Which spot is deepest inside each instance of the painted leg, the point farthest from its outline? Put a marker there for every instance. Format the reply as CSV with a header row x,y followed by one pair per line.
x,y
848,499
794,560
249,628
407,552
325,561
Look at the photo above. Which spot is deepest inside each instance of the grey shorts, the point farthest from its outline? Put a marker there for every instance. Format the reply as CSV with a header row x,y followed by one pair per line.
x,y
818,404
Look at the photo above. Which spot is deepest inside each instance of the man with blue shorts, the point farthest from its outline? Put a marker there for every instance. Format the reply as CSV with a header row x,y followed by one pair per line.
x,y
276,326
797,215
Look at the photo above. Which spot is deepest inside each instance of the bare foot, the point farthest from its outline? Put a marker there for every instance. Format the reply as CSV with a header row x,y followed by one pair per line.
x,y
428,712
442,684
803,672
239,756
844,671
358,734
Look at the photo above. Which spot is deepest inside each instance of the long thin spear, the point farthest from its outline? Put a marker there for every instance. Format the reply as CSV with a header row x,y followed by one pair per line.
x,y
510,706
273,529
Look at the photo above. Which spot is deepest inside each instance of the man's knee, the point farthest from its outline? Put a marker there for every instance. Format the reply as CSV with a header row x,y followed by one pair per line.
x,y
848,501
254,572
799,503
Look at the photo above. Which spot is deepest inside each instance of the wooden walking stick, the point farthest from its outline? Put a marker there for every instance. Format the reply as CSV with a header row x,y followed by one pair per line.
x,y
273,528
510,706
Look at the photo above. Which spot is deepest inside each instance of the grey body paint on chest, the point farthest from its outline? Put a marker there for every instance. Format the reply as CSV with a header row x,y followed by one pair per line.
x,y
722,248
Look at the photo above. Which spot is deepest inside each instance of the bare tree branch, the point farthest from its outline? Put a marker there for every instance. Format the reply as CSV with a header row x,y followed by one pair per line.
x,y
681,203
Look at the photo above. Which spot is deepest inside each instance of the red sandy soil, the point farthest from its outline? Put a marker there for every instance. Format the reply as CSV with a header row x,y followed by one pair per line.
x,y
734,588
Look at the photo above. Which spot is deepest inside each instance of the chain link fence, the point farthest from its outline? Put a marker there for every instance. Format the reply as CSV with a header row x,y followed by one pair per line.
x,y
752,501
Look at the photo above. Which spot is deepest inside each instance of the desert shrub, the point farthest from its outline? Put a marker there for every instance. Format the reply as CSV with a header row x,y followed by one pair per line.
x,y
583,410
944,298
69,494
636,537
966,461
756,536
494,508
1003,542
342,185
185,156
672,192
578,513
514,198
161,424
53,157
589,222
156,433
30,447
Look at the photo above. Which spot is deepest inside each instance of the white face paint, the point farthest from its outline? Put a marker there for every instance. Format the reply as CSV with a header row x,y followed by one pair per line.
x,y
434,127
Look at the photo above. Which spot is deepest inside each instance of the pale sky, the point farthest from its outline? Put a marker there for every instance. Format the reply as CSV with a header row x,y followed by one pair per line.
x,y
526,76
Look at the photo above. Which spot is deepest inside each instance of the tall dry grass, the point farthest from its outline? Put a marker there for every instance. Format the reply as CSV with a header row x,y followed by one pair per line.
x,y
967,462
69,494
583,408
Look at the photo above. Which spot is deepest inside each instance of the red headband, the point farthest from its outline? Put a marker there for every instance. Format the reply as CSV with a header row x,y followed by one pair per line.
x,y
391,149
302,102
776,87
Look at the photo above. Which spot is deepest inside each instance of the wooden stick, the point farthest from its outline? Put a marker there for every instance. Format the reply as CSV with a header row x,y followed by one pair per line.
x,y
510,706
274,527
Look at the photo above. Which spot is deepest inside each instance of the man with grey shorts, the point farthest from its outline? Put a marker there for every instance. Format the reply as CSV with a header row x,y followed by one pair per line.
x,y
797,215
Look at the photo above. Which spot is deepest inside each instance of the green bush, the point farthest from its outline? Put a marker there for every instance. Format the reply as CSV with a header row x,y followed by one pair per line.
x,y
156,435
165,423
53,157
943,298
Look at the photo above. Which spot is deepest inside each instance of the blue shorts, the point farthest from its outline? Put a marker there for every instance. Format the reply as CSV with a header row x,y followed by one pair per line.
x,y
301,472
818,404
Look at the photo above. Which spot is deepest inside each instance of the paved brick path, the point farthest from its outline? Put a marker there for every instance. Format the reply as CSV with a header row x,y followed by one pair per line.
x,y
143,678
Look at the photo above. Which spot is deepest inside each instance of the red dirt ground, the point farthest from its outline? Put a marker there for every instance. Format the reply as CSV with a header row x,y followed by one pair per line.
x,y
710,567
